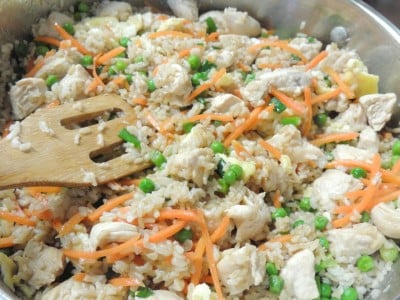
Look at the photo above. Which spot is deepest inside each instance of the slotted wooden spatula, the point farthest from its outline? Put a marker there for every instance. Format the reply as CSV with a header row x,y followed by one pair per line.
x,y
55,159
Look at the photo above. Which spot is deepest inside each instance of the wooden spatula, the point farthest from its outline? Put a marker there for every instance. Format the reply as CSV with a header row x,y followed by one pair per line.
x,y
57,159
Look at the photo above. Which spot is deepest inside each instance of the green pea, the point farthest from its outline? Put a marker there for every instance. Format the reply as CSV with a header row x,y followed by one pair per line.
x,y
207,66
238,170
147,185
194,61
365,217
125,135
323,241
121,65
278,105
275,284
202,100
291,120
184,235
321,119
128,78
305,204
271,268
197,78
68,27
187,127
365,263
325,290
151,86
217,147
349,293
358,172
389,254
112,70
229,177
157,158
42,50
211,26
51,79
320,222
396,147
223,186
86,60
280,212
83,7
138,59
297,223
124,41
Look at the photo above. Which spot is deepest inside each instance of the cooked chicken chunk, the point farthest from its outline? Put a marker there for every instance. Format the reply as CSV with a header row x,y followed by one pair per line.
x,y
27,95
368,140
342,151
309,49
337,59
352,119
299,277
184,9
348,244
330,188
120,10
46,26
240,268
198,137
238,44
387,220
108,232
379,108
228,104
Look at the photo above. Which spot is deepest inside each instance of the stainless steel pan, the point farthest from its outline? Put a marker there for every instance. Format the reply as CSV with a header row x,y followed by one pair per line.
x,y
348,22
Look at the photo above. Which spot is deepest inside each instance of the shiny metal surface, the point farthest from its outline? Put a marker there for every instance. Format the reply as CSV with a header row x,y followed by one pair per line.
x,y
358,26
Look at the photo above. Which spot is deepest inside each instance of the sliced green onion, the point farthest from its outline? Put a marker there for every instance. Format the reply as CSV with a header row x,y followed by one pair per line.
x,y
198,77
147,185
183,235
278,105
69,27
297,223
128,78
157,158
124,41
365,217
187,127
389,254
328,81
292,120
125,135
295,57
143,292
310,39
51,79
323,241
249,77
207,66
211,26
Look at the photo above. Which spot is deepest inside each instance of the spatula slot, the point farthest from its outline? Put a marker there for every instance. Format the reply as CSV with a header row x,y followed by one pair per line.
x,y
91,118
107,153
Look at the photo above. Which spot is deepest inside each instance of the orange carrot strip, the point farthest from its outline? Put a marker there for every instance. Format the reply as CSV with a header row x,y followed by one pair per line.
x,y
48,40
308,119
6,242
316,60
334,137
295,106
275,152
212,37
218,75
79,276
34,190
338,223
66,36
279,239
198,261
239,149
107,206
214,117
220,231
16,219
110,55
176,34
201,88
396,167
167,232
183,53
140,101
341,84
42,214
276,199
269,66
327,96
125,281
68,226
35,68
253,118
243,67
54,103
182,214
280,44
385,198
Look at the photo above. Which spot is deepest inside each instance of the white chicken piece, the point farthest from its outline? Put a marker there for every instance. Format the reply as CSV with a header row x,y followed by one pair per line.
x,y
250,218
307,48
330,187
379,108
337,59
228,104
352,119
368,140
173,84
201,292
288,139
46,26
223,58
108,232
238,44
348,244
240,268
198,137
75,290
163,295
289,81
387,220
231,21
40,264
186,9
72,86
195,165
342,151
299,277
27,95
57,65
117,9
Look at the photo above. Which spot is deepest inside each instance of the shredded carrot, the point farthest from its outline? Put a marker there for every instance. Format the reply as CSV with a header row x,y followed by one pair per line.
x,y
42,214
248,123
275,152
97,80
269,66
68,226
56,224
106,57
66,36
162,17
198,261
119,81
239,149
305,130
182,214
200,89
296,107
210,116
152,120
276,199
140,101
327,96
243,67
341,222
167,232
218,75
79,276
220,231
22,220
237,93
383,199
316,60
54,103
176,34
125,281
396,167
183,53
6,242
107,206
280,44
48,40
279,239
334,138
212,37
341,84
39,64
6,128
34,190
